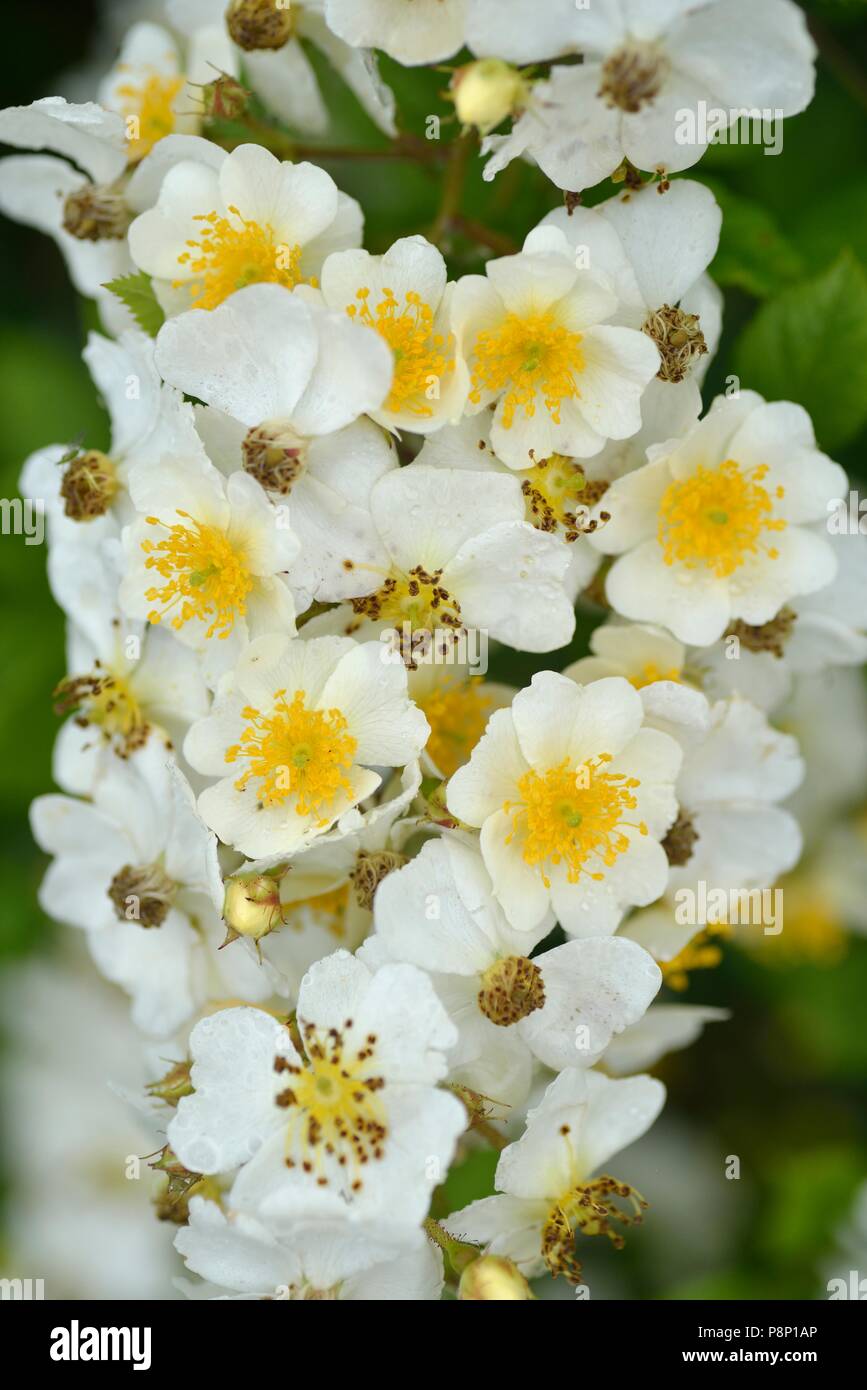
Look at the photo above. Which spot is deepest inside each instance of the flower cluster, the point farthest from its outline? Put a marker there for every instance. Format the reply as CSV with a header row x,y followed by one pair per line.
x,y
382,907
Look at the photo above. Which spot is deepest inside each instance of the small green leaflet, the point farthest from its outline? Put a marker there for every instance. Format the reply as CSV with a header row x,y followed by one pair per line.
x,y
137,293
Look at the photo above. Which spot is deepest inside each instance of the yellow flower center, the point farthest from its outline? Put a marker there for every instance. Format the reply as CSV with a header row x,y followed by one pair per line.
x,y
296,752
650,672
421,357
569,815
457,712
417,598
589,1209
717,518
105,700
328,910
149,111
205,577
338,1123
526,359
232,253
553,490
702,953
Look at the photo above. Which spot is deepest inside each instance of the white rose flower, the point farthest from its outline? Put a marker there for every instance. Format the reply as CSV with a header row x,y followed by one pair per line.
x,y
647,64
155,90
353,1123
546,1192
136,869
713,527
454,552
561,1007
572,796
207,557
302,723
538,343
403,295
220,226
245,1258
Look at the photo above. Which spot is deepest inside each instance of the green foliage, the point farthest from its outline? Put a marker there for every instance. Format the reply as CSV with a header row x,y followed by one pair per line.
x,y
137,293
753,255
809,344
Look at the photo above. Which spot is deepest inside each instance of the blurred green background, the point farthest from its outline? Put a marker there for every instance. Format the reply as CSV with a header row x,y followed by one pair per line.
x,y
783,1085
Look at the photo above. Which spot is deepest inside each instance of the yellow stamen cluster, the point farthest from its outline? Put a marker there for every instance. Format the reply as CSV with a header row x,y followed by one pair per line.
x,y
417,598
571,814
105,700
554,489
328,909
650,672
589,1209
717,518
526,359
296,752
422,358
702,953
205,577
149,110
337,1119
233,252
457,712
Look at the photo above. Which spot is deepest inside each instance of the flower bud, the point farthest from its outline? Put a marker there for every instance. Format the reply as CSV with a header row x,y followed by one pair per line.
x,y
486,92
224,99
252,906
490,1278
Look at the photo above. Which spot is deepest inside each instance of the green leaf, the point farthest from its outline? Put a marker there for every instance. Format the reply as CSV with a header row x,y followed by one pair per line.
x,y
810,345
753,254
833,222
137,293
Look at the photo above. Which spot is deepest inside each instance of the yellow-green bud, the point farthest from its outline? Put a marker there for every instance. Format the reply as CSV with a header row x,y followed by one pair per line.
x,y
491,1278
252,905
486,92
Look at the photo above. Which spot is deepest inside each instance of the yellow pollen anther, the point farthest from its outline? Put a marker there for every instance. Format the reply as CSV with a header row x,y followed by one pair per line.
x,y
526,359
717,518
572,815
233,252
296,752
149,111
422,358
206,578
457,712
